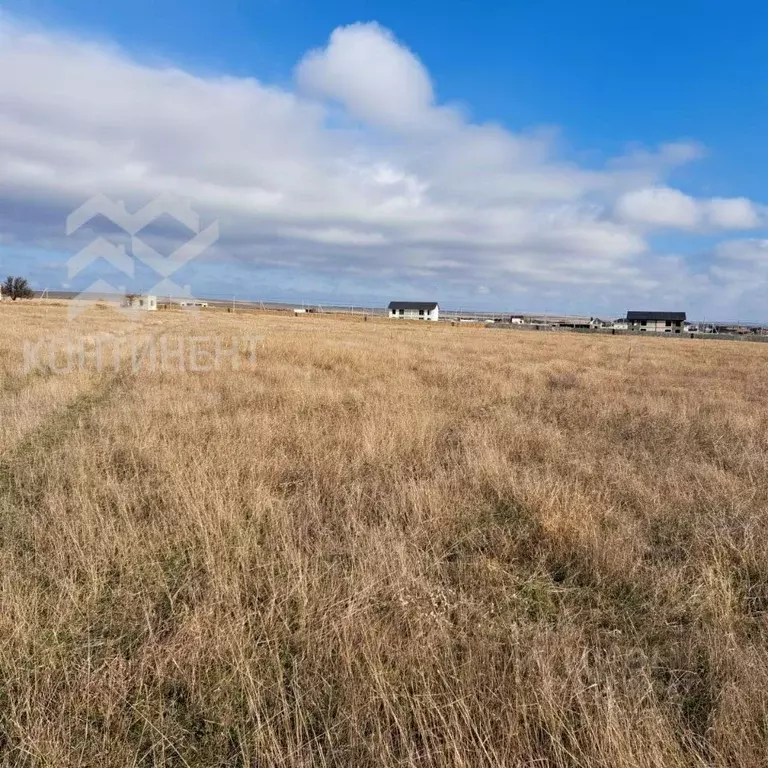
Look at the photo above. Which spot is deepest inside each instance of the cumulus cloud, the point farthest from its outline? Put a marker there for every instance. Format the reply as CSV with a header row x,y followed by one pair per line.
x,y
733,213
658,206
753,251
664,207
406,190
740,270
373,76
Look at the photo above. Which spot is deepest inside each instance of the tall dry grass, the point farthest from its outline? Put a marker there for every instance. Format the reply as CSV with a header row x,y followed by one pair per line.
x,y
385,545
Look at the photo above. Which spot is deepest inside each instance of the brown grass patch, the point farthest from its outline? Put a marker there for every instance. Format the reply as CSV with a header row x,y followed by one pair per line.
x,y
387,544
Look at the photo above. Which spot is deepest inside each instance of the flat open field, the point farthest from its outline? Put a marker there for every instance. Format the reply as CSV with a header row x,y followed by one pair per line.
x,y
383,544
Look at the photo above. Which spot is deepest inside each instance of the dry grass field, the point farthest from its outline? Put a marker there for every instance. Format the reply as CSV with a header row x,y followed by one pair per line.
x,y
384,545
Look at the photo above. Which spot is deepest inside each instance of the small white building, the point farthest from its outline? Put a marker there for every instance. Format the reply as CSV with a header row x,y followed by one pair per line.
x,y
145,302
193,304
414,310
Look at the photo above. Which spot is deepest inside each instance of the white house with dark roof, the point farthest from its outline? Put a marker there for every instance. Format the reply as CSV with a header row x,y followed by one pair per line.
x,y
414,310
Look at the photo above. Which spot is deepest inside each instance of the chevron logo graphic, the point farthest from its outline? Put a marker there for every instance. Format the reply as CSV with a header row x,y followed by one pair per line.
x,y
167,265
101,205
100,248
117,255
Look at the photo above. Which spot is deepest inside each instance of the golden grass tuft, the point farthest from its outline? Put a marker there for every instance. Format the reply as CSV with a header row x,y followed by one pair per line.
x,y
387,544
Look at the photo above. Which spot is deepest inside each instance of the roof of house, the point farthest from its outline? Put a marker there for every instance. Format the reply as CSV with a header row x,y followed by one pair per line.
x,y
674,316
430,305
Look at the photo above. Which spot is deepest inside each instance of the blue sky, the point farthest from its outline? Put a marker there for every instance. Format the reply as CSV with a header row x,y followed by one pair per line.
x,y
583,157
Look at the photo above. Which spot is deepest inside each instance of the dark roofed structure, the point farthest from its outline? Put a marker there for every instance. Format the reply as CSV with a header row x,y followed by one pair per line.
x,y
417,305
414,310
656,316
656,322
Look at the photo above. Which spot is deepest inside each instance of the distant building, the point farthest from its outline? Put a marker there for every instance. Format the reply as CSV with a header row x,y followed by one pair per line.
x,y
193,304
656,322
571,321
145,302
414,310
732,330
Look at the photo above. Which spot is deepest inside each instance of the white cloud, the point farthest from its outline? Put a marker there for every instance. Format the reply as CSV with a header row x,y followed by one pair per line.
x,y
373,76
425,196
740,268
658,207
753,250
664,207
666,157
335,236
733,213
